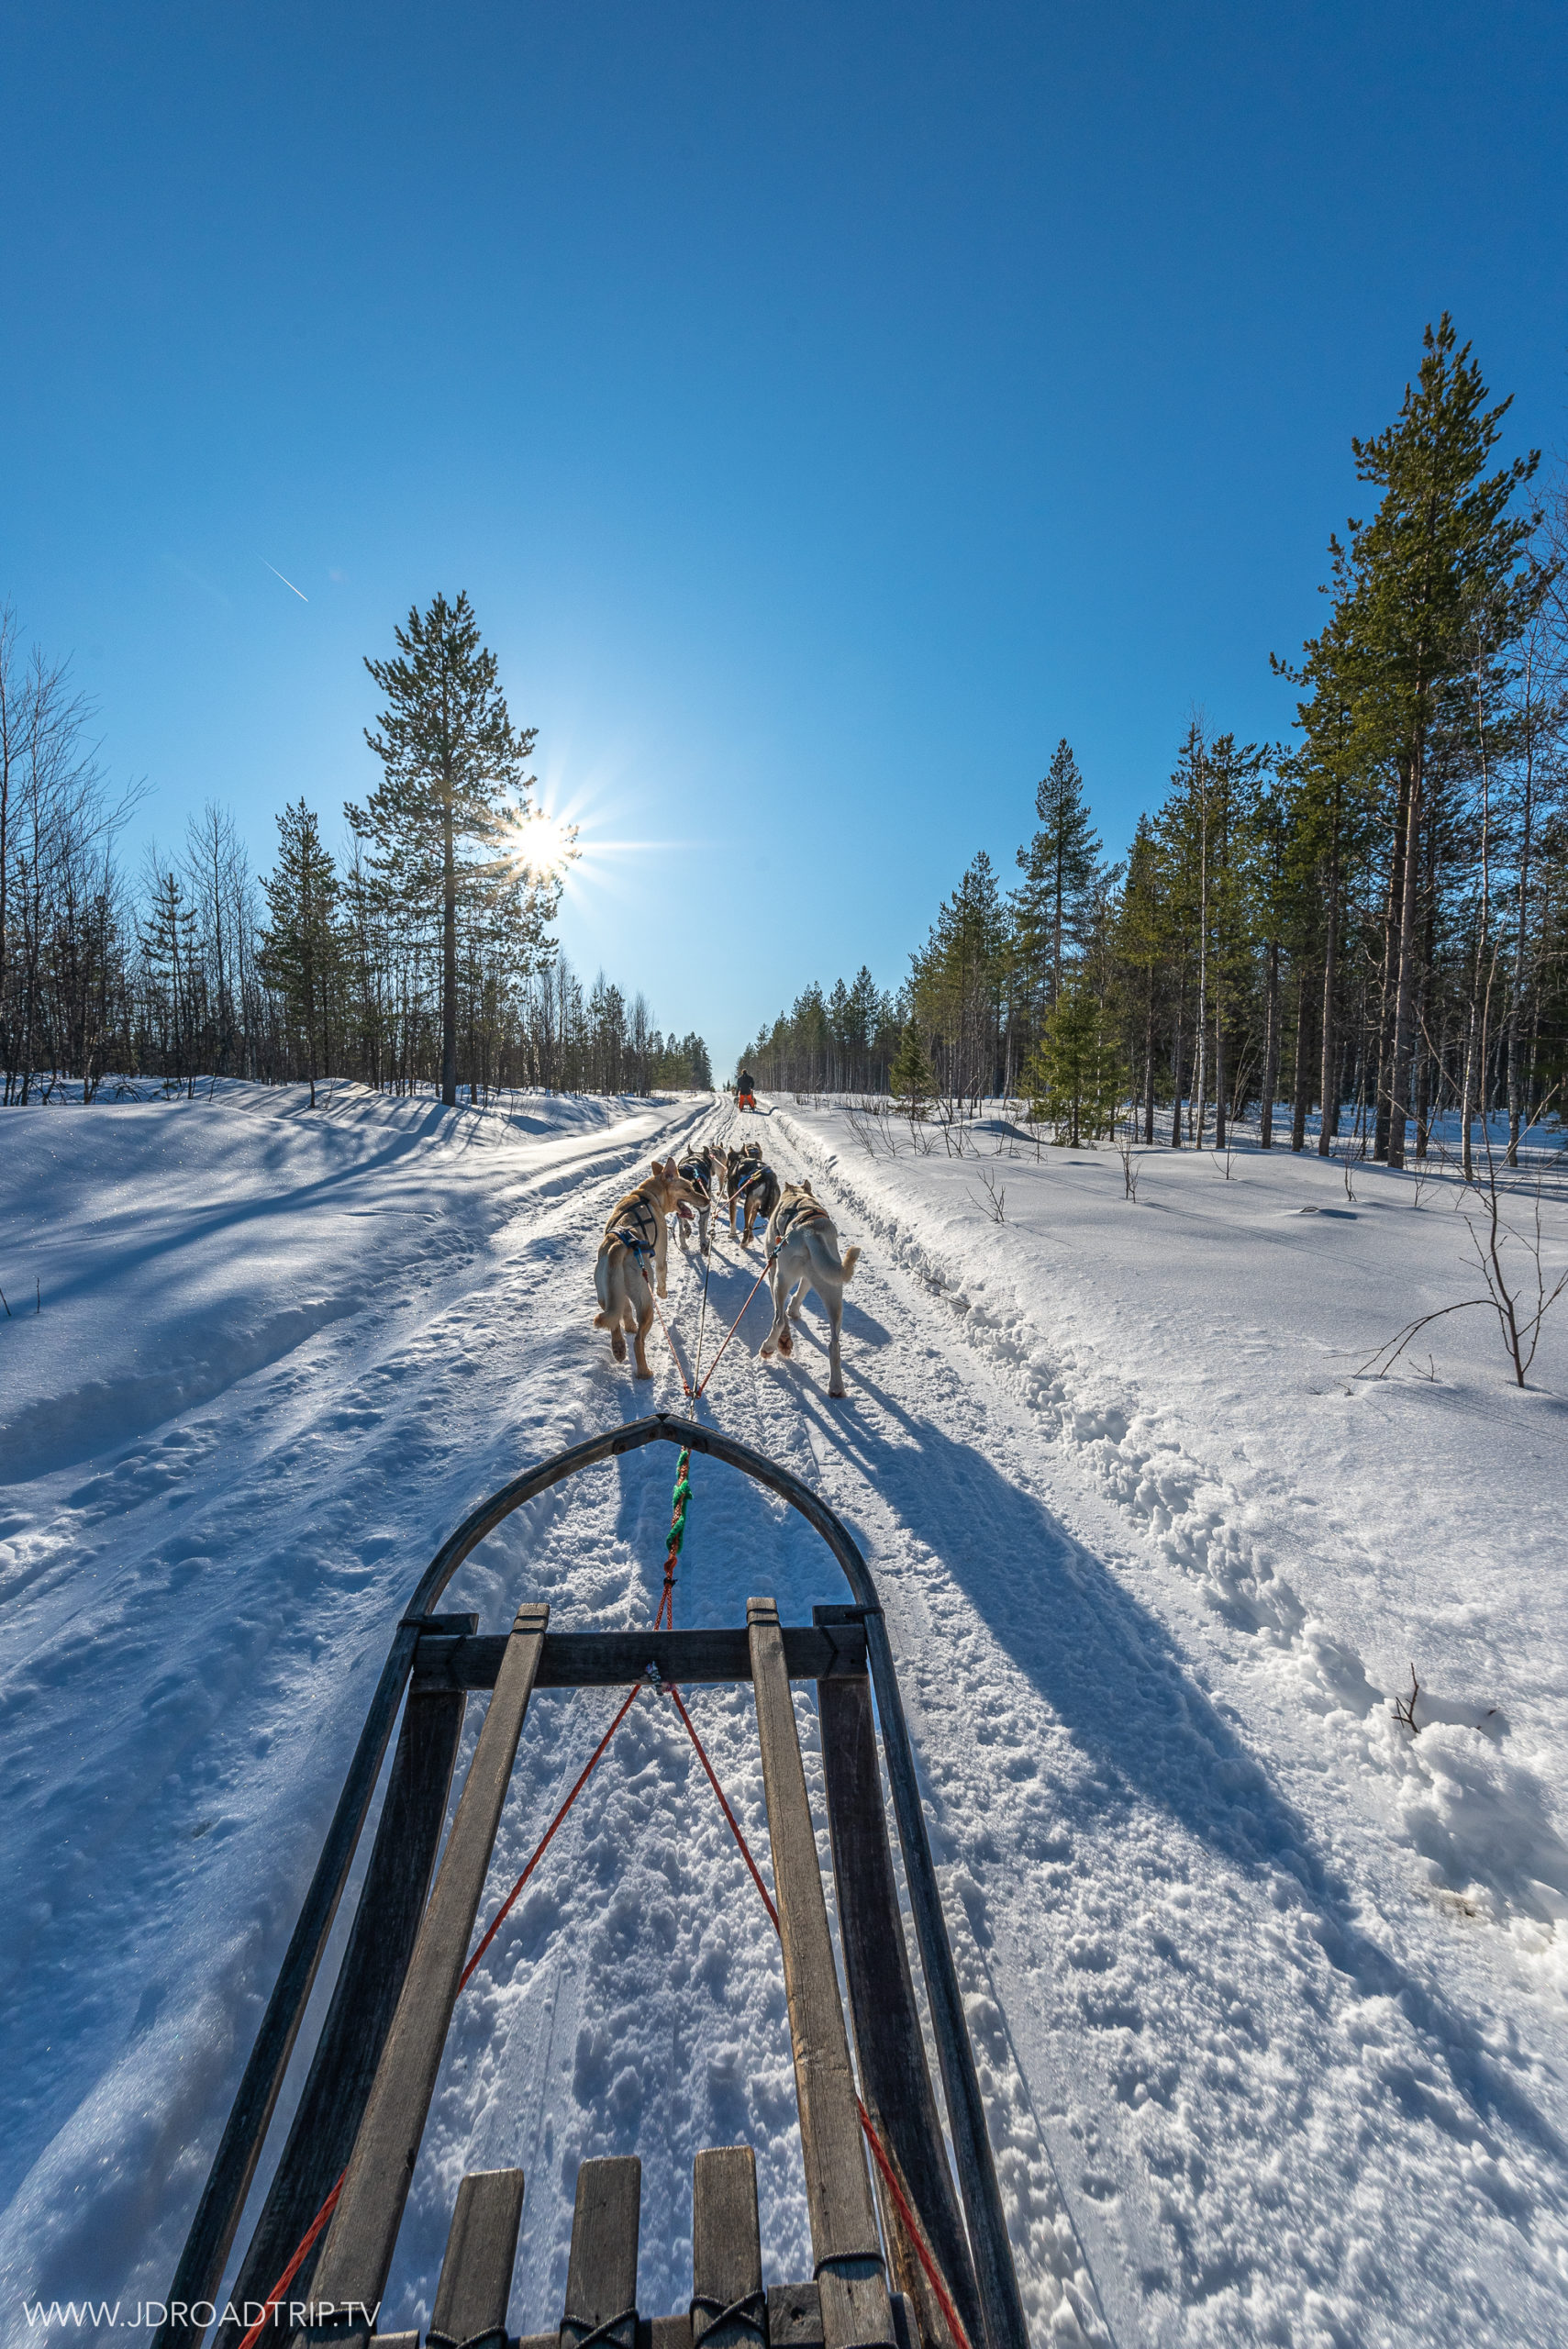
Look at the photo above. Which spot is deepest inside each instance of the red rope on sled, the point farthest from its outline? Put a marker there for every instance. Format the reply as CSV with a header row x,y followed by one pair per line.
x,y
274,2297
666,1606
306,2241
502,1913
879,2151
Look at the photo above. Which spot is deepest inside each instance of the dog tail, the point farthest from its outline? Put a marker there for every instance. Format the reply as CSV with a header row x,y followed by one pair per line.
x,y
601,1287
851,1258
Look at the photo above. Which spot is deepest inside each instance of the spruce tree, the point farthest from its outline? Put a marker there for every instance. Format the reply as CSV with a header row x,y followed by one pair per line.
x,y
455,784
299,948
910,1076
169,945
1059,862
1075,1076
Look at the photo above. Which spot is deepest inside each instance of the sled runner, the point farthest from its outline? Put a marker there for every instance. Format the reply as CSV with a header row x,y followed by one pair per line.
x,y
901,2261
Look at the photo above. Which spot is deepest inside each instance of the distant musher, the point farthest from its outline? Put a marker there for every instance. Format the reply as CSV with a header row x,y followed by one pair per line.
x,y
745,1097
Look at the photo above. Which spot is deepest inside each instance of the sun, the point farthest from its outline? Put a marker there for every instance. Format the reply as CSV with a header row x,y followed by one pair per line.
x,y
543,844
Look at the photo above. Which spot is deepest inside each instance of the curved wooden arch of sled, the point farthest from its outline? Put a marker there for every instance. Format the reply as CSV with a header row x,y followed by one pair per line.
x,y
229,2182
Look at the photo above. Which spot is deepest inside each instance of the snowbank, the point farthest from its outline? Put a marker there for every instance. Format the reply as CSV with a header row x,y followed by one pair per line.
x,y
1200,1349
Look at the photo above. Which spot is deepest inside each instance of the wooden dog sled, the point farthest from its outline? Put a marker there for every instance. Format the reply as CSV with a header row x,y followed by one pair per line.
x,y
891,2240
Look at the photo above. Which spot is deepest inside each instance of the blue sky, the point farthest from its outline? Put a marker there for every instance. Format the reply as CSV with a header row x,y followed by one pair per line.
x,y
826,408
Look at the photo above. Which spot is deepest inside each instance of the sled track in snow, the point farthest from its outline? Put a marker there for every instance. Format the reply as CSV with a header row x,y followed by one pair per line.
x,y
1152,1947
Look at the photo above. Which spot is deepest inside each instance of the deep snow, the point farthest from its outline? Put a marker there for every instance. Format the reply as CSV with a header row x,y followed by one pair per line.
x,y
1270,1995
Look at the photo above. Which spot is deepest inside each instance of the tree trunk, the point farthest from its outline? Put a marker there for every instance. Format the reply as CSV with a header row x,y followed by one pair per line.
x,y
1467,1090
1176,1067
1516,993
1329,1123
1303,1090
1409,958
1218,1082
1390,969
1271,1049
449,957
1149,1073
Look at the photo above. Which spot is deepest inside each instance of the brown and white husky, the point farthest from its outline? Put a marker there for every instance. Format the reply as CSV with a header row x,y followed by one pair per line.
x,y
804,1246
635,1233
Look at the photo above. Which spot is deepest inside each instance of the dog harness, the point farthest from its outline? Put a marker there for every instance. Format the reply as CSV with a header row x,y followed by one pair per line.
x,y
638,1235
801,1210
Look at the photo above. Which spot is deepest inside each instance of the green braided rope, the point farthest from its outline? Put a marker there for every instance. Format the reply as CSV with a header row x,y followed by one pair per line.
x,y
679,1499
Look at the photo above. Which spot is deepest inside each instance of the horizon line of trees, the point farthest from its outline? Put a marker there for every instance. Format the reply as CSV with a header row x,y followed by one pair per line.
x,y
1370,922
419,956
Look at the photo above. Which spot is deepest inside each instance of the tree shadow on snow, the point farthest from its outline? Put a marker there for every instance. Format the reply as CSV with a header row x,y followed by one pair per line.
x,y
1113,1677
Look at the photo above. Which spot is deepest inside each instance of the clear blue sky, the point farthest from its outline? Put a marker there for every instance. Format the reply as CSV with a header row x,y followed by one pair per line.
x,y
826,408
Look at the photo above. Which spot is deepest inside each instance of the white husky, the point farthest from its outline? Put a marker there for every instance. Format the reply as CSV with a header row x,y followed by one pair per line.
x,y
804,1247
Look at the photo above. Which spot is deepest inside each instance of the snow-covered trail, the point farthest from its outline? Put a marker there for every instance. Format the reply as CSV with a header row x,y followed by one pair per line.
x,y
1233,2097
196,1612
1234,2094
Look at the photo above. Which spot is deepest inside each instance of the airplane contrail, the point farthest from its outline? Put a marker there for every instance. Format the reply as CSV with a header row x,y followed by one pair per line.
x,y
287,582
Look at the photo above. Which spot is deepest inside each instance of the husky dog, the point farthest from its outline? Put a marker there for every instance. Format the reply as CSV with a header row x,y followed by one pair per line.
x,y
804,1248
635,1232
700,1171
751,1187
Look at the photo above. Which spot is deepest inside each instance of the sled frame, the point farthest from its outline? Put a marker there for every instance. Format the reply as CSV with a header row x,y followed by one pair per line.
x,y
434,1661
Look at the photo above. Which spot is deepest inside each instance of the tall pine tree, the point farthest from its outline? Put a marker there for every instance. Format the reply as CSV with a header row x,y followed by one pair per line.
x,y
445,819
1059,862
1444,554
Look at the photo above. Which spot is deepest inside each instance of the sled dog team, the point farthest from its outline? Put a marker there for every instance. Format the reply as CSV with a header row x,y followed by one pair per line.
x,y
800,1237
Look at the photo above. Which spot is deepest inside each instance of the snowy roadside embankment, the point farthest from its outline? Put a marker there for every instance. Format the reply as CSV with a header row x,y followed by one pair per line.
x,y
198,1242
1196,1351
279,1355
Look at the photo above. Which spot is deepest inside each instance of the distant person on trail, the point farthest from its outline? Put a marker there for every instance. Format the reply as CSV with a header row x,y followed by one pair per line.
x,y
745,1085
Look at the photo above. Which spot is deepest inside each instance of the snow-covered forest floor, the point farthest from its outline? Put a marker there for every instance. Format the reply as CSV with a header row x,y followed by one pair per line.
x,y
1271,1995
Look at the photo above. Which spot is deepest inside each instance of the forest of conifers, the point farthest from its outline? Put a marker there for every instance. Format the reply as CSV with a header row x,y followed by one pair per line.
x,y
198,967
1369,920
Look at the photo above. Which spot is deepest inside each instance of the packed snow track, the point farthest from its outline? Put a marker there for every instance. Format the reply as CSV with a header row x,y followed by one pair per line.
x,y
1246,2082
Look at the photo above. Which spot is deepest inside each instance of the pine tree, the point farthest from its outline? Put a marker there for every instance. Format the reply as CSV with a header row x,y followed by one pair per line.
x,y
1442,556
300,948
453,764
1061,860
910,1076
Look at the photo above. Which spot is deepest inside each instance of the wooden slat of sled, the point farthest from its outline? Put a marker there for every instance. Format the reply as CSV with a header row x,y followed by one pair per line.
x,y
615,1659
664,2332
364,2230
652,2332
601,2274
844,2245
795,2317
364,2000
894,2078
727,2248
476,2271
